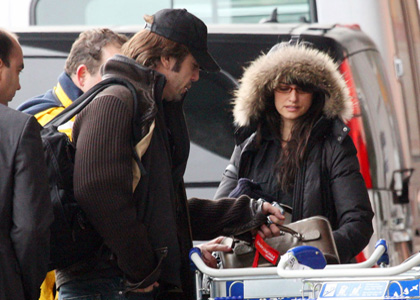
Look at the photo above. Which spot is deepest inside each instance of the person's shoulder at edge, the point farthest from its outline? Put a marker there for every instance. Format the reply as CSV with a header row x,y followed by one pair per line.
x,y
8,113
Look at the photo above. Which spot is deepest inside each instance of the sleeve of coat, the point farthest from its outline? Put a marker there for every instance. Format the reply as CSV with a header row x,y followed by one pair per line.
x,y
351,201
32,210
227,216
230,175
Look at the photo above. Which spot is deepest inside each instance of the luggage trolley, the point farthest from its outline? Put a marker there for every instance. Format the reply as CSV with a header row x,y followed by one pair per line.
x,y
344,282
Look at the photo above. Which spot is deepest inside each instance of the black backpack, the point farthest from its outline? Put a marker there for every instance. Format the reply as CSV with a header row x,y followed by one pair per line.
x,y
73,238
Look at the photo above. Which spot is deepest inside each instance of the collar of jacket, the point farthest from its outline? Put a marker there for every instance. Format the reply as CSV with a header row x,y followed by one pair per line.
x,y
148,83
339,130
333,127
69,88
143,78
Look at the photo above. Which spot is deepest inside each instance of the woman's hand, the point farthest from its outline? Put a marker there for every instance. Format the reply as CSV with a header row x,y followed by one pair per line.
x,y
275,216
211,246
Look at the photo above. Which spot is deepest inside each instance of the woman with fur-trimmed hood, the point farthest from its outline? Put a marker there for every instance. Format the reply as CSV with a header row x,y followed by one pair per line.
x,y
293,144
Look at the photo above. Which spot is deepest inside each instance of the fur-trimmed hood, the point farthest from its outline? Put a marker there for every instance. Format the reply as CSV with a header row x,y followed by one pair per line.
x,y
291,63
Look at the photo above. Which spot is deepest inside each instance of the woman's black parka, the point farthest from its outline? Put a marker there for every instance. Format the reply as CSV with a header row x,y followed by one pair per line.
x,y
329,182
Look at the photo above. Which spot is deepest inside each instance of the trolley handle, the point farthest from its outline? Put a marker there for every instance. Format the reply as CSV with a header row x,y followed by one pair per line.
x,y
361,269
195,256
379,256
348,272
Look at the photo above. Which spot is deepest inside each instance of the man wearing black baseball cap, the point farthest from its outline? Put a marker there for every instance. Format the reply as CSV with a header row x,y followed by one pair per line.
x,y
142,213
189,31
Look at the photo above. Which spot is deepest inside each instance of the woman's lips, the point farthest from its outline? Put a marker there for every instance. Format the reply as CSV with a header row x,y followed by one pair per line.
x,y
292,108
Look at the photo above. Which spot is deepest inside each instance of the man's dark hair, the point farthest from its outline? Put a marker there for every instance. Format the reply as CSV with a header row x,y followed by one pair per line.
x,y
147,48
6,46
87,49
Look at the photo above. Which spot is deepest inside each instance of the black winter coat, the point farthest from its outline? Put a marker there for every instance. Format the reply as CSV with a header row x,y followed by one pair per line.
x,y
328,184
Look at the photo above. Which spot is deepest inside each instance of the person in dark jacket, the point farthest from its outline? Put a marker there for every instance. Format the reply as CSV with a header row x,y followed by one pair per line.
x,y
25,205
143,215
293,144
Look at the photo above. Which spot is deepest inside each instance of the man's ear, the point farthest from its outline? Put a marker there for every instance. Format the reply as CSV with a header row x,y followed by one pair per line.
x,y
166,62
81,74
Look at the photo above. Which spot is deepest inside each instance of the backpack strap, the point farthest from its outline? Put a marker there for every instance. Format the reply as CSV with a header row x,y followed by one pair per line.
x,y
80,103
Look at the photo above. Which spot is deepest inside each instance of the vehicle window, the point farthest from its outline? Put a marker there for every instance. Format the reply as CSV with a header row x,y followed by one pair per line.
x,y
130,12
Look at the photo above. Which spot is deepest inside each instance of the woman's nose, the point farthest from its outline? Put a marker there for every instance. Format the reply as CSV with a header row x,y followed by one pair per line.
x,y
293,95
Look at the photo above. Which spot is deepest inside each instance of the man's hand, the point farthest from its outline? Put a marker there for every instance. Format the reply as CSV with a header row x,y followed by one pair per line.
x,y
275,216
211,246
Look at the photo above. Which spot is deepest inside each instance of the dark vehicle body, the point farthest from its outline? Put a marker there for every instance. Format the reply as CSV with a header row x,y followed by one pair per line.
x,y
208,107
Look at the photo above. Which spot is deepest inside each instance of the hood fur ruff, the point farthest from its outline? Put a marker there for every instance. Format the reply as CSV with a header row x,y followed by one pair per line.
x,y
290,63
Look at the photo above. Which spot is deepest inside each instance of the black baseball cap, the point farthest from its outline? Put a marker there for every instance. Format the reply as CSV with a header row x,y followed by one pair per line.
x,y
180,26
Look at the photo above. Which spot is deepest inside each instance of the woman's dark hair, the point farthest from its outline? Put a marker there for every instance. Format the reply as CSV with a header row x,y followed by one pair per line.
x,y
292,155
